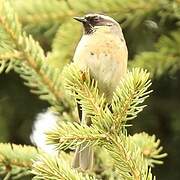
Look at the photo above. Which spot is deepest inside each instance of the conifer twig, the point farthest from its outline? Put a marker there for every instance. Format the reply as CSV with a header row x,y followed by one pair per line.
x,y
12,155
55,168
47,82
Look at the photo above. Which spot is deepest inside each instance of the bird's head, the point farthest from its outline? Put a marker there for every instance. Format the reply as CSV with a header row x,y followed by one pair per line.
x,y
92,22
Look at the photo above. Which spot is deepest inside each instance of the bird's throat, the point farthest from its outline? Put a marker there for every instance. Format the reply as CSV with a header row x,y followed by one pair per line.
x,y
88,28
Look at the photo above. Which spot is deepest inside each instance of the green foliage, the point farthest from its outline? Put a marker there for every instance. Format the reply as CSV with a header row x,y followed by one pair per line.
x,y
51,167
59,11
164,59
128,158
69,135
149,148
125,102
42,11
107,127
32,62
129,95
131,156
16,160
45,16
62,50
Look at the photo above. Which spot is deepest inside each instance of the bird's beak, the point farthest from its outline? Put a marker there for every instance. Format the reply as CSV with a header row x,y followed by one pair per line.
x,y
80,19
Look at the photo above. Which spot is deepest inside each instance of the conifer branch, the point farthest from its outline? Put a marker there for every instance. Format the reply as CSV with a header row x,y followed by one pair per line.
x,y
47,83
51,167
6,65
70,135
35,12
64,44
83,88
10,55
17,155
16,160
127,158
8,60
164,60
125,105
149,148
131,92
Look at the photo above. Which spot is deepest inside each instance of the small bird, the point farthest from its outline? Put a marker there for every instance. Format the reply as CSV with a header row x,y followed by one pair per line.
x,y
102,49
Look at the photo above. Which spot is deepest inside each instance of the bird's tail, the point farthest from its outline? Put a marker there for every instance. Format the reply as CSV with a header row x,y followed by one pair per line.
x,y
83,158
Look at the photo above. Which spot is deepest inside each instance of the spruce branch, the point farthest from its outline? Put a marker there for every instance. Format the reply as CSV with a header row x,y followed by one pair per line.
x,y
36,12
10,55
127,158
16,160
55,168
47,83
164,60
149,148
70,135
126,100
129,96
8,60
42,11
133,155
83,88
64,44
6,65
17,155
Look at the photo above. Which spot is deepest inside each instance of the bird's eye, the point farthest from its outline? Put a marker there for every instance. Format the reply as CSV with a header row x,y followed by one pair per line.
x,y
96,19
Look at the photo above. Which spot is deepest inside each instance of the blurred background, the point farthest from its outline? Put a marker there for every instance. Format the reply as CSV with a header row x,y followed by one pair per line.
x,y
152,33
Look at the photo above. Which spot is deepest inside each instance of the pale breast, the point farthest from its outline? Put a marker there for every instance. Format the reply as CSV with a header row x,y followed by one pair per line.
x,y
106,57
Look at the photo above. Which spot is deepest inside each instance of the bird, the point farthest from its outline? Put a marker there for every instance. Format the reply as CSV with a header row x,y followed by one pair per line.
x,y
102,49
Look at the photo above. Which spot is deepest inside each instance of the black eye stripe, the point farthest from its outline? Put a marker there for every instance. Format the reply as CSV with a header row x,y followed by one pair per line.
x,y
93,18
98,21
96,18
